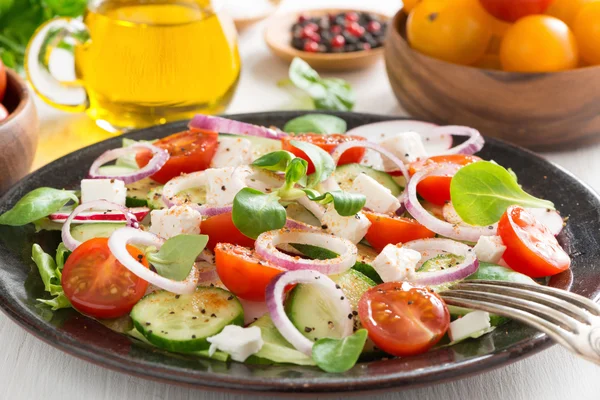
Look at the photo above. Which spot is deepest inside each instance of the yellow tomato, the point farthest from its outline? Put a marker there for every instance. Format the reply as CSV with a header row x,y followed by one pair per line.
x,y
587,33
566,10
455,34
497,26
409,5
539,43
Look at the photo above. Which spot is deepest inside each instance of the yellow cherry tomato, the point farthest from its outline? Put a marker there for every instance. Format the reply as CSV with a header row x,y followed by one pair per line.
x,y
539,43
566,10
450,33
587,32
409,5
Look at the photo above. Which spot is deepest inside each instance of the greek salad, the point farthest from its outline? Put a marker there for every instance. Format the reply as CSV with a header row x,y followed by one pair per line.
x,y
308,245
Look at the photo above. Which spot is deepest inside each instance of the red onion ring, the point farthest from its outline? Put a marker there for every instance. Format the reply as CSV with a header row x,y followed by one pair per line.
x,y
274,298
160,158
224,125
293,224
472,145
178,185
342,148
117,243
266,247
454,273
453,231
70,242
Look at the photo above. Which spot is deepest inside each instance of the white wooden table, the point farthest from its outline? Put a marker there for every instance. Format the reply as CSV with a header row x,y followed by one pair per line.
x,y
31,369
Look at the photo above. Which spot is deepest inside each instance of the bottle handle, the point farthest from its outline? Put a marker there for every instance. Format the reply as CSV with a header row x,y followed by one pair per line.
x,y
64,34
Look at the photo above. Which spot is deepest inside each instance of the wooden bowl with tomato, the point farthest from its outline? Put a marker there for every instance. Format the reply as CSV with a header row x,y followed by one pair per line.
x,y
18,128
543,99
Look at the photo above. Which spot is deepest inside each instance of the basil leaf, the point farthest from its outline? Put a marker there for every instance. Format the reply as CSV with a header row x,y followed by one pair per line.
x,y
346,204
324,164
296,170
481,192
177,255
316,123
37,204
51,277
276,161
339,355
255,212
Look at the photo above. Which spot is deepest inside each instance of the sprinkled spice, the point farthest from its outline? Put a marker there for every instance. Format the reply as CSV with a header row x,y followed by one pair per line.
x,y
193,336
177,296
307,329
350,316
213,316
230,298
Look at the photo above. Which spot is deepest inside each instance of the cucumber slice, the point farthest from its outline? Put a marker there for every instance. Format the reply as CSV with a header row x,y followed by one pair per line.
x,y
85,232
260,146
154,198
137,192
457,312
155,202
116,170
181,323
346,174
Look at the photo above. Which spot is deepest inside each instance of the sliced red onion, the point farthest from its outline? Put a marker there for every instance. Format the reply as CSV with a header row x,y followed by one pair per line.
x,y
293,224
207,272
550,218
342,148
466,233
434,246
274,298
266,247
178,185
160,158
472,145
70,242
253,310
224,125
314,208
105,216
117,243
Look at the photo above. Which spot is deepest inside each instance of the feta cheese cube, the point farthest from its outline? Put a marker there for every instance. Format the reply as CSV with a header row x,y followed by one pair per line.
x,y
240,343
474,324
353,228
232,152
379,198
112,190
489,249
174,221
223,184
407,146
396,263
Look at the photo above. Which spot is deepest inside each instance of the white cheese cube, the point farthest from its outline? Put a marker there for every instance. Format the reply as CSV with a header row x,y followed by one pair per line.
x,y
379,198
112,190
232,152
474,324
353,228
224,184
174,221
240,343
407,146
489,249
395,264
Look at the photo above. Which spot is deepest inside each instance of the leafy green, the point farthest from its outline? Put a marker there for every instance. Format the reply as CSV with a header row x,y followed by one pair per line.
x,y
324,164
346,204
255,212
339,355
51,276
276,161
296,170
177,255
326,93
37,204
316,123
481,192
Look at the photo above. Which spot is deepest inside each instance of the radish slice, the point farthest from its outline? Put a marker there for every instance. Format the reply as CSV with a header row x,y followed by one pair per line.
x,y
224,125
106,216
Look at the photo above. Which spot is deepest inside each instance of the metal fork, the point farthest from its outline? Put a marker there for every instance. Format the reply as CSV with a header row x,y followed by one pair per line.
x,y
571,320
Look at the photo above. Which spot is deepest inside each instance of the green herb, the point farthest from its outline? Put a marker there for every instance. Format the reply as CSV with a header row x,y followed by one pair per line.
x,y
339,355
324,164
37,204
295,171
255,212
481,192
326,93
316,123
276,161
346,204
51,276
177,255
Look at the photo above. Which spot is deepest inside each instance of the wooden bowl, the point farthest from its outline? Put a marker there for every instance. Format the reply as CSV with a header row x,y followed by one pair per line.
x,y
278,36
541,110
18,133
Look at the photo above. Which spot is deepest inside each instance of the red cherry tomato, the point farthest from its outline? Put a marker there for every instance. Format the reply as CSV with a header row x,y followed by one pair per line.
x,y
512,10
531,248
402,319
189,151
2,81
220,229
388,229
97,284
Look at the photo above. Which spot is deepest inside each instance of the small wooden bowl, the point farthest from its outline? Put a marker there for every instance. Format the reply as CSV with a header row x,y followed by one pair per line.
x,y
18,133
278,36
541,111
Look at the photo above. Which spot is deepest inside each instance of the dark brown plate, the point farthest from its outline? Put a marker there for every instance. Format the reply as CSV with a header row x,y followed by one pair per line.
x,y
20,285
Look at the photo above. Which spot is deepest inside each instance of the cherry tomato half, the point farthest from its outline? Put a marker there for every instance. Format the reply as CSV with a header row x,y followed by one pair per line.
x,y
97,284
436,189
189,151
531,248
512,10
402,319
327,143
2,81
387,229
220,229
587,33
243,272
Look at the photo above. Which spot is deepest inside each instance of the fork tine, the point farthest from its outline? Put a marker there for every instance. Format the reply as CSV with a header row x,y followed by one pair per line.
x,y
555,332
542,298
541,310
585,303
